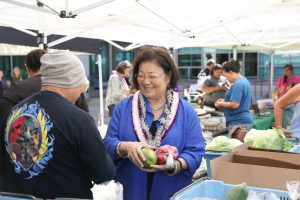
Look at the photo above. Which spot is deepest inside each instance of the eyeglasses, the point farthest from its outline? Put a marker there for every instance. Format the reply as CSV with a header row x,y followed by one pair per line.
x,y
151,77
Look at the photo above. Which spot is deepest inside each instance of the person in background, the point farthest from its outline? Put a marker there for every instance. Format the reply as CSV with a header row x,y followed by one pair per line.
x,y
25,88
117,88
52,148
154,116
214,86
3,83
209,65
204,73
284,83
237,100
291,98
16,75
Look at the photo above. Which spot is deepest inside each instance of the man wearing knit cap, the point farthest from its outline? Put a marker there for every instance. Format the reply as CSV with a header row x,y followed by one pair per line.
x,y
54,149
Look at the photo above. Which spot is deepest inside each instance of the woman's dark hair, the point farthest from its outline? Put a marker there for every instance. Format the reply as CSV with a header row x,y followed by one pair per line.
x,y
291,68
214,68
123,65
232,65
162,58
33,59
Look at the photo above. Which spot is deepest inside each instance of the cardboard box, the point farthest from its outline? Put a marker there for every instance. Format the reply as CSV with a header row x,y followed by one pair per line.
x,y
257,168
265,158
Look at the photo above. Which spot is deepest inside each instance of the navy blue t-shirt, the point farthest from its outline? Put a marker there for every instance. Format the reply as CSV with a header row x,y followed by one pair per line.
x,y
239,92
53,149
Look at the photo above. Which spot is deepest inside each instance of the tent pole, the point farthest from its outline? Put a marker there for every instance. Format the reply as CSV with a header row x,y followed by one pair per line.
x,y
101,113
271,74
41,35
234,51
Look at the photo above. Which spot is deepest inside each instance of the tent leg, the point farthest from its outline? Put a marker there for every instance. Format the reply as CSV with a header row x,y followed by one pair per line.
x,y
101,113
271,74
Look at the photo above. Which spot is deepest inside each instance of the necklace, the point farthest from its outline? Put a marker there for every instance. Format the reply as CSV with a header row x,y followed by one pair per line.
x,y
158,109
139,118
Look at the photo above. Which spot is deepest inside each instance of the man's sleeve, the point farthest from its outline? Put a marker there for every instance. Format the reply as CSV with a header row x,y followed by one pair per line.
x,y
98,165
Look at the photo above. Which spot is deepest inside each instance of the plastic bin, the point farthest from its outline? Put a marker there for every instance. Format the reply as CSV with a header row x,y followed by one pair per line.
x,y
218,190
210,155
293,140
16,196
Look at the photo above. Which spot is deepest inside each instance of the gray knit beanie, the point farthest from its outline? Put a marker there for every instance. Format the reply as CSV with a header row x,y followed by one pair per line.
x,y
62,69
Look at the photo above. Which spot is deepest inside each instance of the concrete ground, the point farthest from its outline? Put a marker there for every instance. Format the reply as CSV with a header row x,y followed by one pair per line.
x,y
94,106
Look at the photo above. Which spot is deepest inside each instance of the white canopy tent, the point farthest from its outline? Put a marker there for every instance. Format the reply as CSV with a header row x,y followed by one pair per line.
x,y
235,24
255,24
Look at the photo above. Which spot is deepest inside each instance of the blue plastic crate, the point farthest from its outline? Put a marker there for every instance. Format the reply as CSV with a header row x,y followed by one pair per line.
x,y
16,196
218,190
293,140
210,155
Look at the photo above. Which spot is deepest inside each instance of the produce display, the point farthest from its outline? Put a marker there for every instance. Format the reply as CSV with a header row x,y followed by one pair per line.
x,y
213,123
200,111
268,139
222,143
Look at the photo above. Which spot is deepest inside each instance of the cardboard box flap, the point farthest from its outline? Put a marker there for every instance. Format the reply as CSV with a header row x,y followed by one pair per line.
x,y
266,159
270,150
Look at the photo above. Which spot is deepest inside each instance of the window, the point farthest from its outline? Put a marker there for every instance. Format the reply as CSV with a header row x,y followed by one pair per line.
x,y
250,64
221,57
264,65
188,60
190,50
184,73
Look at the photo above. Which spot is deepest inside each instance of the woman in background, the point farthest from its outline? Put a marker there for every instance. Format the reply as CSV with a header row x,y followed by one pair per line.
x,y
117,86
291,98
284,83
214,86
16,75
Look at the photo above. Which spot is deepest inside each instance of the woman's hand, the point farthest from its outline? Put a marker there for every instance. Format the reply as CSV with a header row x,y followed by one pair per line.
x,y
134,152
286,132
155,168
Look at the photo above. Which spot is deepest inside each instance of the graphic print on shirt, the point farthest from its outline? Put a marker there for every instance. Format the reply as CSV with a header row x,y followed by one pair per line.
x,y
28,140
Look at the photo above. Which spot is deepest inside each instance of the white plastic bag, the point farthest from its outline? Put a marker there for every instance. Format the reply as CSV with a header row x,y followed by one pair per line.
x,y
293,188
253,195
109,190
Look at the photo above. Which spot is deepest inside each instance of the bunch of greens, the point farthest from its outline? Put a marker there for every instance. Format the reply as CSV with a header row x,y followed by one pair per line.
x,y
268,139
222,143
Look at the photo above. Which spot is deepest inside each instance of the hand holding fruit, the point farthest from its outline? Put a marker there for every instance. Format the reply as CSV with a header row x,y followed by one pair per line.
x,y
162,159
134,151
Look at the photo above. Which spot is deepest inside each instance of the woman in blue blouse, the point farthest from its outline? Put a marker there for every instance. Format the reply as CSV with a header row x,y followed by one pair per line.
x,y
154,116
